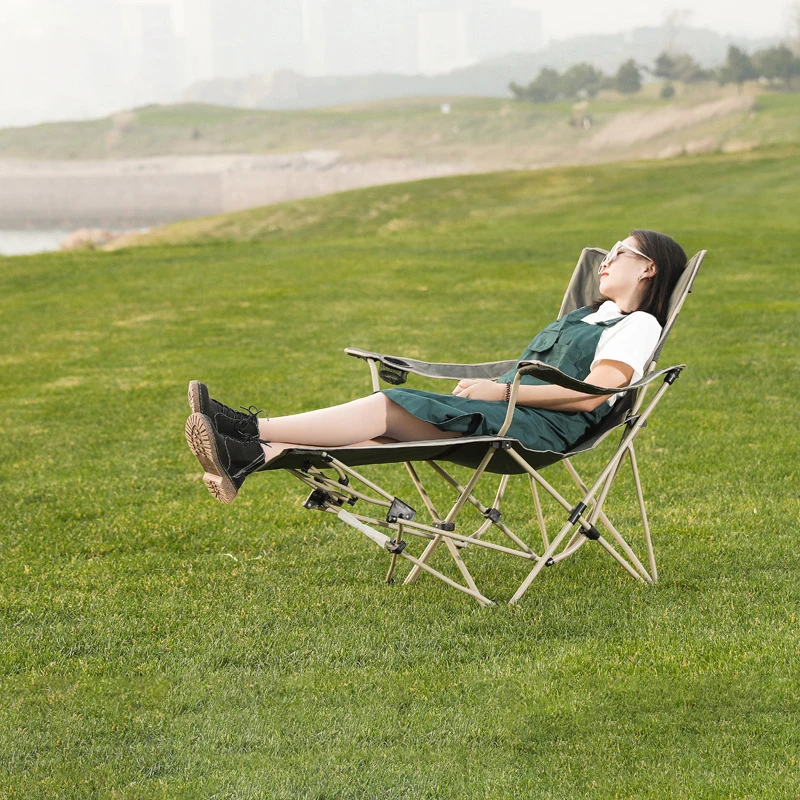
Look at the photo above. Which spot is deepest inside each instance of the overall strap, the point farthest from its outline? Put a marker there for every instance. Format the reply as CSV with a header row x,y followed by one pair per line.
x,y
582,313
610,322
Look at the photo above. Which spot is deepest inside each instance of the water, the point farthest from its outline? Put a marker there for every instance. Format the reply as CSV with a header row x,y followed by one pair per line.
x,y
18,243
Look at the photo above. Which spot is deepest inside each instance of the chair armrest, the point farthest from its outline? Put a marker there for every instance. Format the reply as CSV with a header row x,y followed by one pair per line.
x,y
400,367
545,372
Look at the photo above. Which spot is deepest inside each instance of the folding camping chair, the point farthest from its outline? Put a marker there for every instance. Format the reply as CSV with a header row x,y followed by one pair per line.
x,y
336,486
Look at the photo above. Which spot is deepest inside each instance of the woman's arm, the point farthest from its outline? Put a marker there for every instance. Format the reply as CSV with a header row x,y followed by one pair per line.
x,y
555,398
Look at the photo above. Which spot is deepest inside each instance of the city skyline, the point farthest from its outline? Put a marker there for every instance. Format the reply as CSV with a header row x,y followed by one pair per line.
x,y
561,20
94,57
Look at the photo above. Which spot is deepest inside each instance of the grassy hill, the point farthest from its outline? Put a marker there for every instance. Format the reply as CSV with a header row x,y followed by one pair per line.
x,y
158,644
479,131
684,191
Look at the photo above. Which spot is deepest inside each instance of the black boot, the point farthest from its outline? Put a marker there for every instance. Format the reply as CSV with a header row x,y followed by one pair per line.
x,y
237,424
226,461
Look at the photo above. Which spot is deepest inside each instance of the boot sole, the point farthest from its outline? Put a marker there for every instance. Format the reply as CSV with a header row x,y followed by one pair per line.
x,y
201,441
195,402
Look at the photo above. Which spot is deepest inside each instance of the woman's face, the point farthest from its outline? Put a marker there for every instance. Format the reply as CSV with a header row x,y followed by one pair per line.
x,y
620,271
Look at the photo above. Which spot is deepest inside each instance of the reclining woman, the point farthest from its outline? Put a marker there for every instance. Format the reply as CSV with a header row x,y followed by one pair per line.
x,y
607,344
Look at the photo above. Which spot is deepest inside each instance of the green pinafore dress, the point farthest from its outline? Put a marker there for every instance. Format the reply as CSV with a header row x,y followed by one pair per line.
x,y
568,344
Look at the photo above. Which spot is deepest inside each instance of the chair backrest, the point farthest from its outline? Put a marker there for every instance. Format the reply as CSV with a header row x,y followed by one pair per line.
x,y
584,285
682,288
584,289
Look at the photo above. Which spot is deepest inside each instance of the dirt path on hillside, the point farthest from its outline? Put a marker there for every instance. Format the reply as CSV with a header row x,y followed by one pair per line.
x,y
638,127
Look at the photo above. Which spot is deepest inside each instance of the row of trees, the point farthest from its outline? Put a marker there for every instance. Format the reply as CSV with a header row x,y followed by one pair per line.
x,y
776,64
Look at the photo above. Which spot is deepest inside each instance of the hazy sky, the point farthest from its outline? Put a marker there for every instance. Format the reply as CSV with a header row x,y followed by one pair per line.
x,y
564,18
748,18
75,58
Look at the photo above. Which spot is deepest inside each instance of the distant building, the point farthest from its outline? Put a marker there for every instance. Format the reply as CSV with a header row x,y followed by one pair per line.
x,y
355,37
198,40
156,60
54,69
350,37
443,40
455,33
237,38
498,28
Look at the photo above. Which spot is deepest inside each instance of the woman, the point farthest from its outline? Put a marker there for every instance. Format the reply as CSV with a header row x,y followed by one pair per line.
x,y
607,344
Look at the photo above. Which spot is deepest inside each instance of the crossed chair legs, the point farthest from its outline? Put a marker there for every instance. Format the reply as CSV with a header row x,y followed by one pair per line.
x,y
336,493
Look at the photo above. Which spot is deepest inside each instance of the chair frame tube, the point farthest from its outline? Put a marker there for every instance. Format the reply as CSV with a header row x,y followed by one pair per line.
x,y
593,501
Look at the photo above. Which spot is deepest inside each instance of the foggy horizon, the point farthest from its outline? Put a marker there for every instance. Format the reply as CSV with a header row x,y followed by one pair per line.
x,y
98,57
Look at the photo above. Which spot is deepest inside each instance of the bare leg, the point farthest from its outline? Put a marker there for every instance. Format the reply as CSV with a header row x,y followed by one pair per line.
x,y
359,422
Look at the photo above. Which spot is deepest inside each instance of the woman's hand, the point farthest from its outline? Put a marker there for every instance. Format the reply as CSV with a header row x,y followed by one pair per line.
x,y
480,390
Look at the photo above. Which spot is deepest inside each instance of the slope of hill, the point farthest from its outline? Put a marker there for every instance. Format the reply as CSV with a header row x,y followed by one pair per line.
x,y
158,164
462,203
478,131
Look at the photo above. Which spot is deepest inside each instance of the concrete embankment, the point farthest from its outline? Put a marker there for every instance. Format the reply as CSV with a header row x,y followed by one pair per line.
x,y
149,191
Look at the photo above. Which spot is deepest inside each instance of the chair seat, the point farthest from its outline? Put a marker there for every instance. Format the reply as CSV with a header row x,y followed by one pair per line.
x,y
466,451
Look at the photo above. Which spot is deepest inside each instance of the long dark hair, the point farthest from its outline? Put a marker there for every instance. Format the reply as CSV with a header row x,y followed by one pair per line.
x,y
670,260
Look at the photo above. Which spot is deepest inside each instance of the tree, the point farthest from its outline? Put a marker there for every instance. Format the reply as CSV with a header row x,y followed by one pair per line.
x,y
516,90
689,71
777,64
664,67
679,67
544,88
794,28
581,78
738,68
628,79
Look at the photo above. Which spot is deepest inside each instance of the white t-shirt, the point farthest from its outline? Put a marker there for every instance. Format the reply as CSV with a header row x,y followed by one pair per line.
x,y
631,341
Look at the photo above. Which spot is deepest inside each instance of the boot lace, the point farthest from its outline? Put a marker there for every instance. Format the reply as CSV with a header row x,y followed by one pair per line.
x,y
251,419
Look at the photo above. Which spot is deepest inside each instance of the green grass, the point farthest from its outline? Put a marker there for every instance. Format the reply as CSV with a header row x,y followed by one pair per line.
x,y
775,119
157,644
482,131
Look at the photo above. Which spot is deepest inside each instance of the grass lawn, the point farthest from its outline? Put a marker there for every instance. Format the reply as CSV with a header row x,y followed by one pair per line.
x,y
158,644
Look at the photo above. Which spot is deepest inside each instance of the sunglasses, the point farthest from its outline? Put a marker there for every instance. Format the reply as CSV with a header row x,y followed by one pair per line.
x,y
620,247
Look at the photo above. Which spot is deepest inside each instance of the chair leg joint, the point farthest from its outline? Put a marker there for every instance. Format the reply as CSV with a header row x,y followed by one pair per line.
x,y
400,510
591,533
319,499
493,514
577,513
